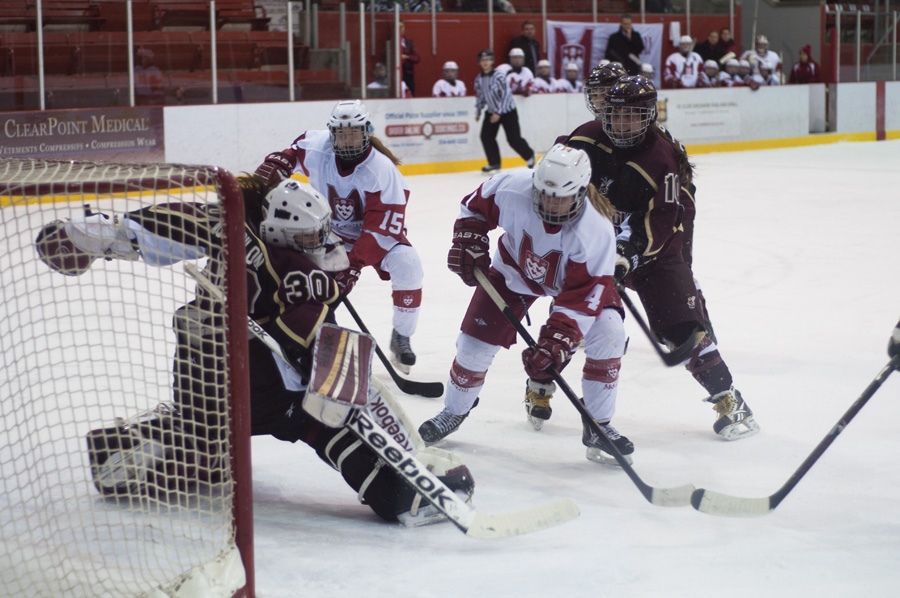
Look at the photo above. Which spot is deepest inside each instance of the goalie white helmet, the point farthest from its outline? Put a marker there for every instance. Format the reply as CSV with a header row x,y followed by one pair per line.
x,y
351,128
559,184
295,216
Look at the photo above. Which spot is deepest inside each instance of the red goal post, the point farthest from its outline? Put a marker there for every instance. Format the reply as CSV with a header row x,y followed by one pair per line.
x,y
82,353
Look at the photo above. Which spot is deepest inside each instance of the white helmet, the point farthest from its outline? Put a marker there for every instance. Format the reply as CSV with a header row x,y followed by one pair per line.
x,y
295,216
517,52
450,65
647,70
559,184
711,64
686,40
345,117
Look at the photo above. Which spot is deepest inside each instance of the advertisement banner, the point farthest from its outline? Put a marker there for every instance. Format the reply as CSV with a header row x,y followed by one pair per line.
x,y
104,135
585,45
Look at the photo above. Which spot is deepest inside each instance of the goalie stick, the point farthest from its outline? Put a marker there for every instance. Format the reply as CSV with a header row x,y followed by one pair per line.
x,y
724,505
430,390
457,510
679,496
670,358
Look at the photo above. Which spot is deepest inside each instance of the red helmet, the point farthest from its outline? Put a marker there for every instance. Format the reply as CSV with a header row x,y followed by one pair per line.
x,y
56,249
599,82
629,111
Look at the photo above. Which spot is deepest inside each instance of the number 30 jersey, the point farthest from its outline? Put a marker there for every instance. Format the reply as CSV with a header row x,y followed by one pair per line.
x,y
368,200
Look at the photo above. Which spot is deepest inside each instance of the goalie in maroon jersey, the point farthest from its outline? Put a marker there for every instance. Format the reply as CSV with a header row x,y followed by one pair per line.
x,y
647,176
291,256
358,175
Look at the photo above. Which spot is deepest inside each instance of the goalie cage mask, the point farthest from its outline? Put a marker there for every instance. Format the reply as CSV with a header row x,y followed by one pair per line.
x,y
56,249
295,216
559,184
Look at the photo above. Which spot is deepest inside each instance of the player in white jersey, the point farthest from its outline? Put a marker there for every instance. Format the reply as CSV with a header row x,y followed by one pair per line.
x,y
358,176
762,52
520,77
570,84
543,82
553,245
449,86
683,68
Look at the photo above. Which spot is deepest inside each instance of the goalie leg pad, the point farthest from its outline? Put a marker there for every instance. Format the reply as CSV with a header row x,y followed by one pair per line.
x,y
341,371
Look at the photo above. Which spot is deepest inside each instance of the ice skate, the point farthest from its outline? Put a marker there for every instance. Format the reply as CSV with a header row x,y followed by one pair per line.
x,y
597,448
735,417
490,168
423,512
402,355
442,425
537,402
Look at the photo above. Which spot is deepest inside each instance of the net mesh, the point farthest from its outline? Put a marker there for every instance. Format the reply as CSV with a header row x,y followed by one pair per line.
x,y
78,352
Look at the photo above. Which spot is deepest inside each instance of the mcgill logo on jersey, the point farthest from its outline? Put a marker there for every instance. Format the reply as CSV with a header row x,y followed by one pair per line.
x,y
539,268
345,208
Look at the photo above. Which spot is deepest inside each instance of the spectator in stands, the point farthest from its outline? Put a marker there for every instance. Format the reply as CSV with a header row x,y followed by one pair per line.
x,y
492,95
761,51
449,86
806,70
409,58
727,46
683,68
625,46
528,44
379,71
148,80
709,49
520,77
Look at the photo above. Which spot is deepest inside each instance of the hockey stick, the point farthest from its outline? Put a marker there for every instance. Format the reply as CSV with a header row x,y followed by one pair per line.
x,y
661,497
670,358
430,486
716,503
429,390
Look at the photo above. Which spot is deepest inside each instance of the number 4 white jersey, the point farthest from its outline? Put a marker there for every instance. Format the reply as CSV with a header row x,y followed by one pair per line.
x,y
573,262
368,202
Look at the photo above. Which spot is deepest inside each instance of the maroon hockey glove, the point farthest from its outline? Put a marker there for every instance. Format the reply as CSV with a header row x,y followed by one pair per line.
x,y
555,346
346,279
276,167
470,250
626,259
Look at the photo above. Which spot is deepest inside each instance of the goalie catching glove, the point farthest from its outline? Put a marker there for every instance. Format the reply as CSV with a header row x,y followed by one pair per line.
x,y
555,346
470,250
626,259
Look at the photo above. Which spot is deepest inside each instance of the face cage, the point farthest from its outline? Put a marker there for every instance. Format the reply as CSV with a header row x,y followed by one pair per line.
x,y
309,239
349,153
639,117
574,212
592,93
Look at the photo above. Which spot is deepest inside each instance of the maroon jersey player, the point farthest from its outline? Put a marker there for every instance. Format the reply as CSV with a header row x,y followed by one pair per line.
x,y
647,177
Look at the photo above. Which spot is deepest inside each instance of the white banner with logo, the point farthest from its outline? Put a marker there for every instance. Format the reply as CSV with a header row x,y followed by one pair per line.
x,y
585,45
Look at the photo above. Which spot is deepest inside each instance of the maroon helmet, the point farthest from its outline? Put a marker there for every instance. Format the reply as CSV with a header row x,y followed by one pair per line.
x,y
629,111
56,249
598,83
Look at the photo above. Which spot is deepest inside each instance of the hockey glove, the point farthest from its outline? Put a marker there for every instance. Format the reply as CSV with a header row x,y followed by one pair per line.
x,y
894,343
470,250
626,259
346,279
276,167
555,347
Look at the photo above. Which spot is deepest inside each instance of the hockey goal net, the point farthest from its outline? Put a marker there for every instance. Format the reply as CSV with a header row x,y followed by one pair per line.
x,y
79,352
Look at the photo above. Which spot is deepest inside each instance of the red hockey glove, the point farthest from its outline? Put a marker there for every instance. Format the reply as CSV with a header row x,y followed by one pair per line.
x,y
470,250
626,259
276,167
555,347
346,279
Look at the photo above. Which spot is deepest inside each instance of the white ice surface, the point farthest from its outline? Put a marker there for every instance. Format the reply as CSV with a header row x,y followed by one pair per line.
x,y
798,254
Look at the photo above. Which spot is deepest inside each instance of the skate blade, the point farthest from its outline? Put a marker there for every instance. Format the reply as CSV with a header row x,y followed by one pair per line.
x,y
742,429
536,423
400,365
598,456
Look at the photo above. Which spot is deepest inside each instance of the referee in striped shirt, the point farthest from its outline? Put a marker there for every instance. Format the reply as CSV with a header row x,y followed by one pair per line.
x,y
492,91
